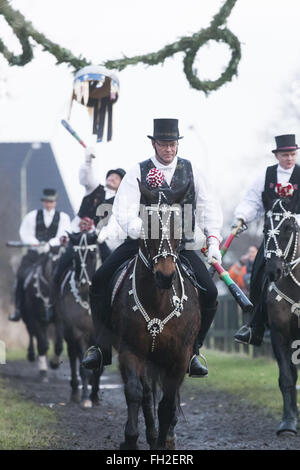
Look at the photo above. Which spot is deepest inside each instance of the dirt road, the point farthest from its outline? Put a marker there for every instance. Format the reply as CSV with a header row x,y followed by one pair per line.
x,y
213,419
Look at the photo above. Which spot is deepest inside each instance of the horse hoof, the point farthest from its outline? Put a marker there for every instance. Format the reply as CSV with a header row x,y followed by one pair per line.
x,y
95,401
127,446
43,377
287,428
53,364
75,397
171,443
86,404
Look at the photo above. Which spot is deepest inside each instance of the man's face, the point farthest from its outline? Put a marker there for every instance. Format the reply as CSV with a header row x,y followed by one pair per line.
x,y
49,205
165,151
113,181
252,252
286,159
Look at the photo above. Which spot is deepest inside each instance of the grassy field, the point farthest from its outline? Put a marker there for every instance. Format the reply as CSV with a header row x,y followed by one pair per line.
x,y
254,380
23,424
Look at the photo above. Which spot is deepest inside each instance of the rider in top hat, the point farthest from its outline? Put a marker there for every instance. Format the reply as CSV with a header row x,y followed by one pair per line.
x,y
255,203
177,172
44,228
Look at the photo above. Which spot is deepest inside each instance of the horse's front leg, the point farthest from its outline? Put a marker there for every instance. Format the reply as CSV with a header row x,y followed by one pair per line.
x,y
131,369
74,380
287,382
59,338
167,412
30,351
148,411
85,375
94,396
42,346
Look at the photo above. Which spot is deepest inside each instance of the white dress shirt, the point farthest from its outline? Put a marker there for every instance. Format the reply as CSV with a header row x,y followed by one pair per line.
x,y
251,207
28,227
208,211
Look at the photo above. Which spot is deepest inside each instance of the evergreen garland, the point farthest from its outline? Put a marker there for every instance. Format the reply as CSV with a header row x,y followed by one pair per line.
x,y
190,45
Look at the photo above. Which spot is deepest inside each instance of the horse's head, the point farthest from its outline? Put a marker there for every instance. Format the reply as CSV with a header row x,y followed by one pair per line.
x,y
162,231
280,237
84,255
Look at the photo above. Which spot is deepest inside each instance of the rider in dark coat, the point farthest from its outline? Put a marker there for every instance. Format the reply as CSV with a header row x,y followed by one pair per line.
x,y
44,225
256,203
96,197
177,172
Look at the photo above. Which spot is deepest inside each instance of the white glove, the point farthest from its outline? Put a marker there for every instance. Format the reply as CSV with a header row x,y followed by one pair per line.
x,y
103,235
236,222
213,250
89,153
134,228
45,248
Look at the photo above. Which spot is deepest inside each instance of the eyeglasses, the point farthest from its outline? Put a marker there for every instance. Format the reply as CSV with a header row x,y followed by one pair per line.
x,y
164,145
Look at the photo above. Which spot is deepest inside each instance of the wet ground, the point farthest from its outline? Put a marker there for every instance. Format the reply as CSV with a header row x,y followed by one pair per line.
x,y
212,419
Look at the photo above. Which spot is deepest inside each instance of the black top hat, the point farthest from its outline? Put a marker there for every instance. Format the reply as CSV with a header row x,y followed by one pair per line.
x,y
165,129
49,195
119,172
285,143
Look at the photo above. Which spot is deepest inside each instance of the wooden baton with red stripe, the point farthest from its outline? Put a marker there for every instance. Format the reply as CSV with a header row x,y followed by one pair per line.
x,y
233,288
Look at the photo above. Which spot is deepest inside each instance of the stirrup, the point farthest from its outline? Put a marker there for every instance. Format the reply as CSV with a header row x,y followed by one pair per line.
x,y
191,360
247,329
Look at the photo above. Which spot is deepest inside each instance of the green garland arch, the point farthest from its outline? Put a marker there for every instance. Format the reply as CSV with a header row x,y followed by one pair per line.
x,y
24,30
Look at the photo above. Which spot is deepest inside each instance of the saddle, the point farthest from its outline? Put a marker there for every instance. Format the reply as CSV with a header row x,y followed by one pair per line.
x,y
119,277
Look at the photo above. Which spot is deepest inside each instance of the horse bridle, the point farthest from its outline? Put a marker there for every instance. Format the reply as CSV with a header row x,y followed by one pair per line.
x,y
288,266
155,326
165,230
272,234
83,249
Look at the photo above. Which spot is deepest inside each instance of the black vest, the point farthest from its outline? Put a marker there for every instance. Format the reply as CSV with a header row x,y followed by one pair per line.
x,y
43,233
269,193
183,174
91,202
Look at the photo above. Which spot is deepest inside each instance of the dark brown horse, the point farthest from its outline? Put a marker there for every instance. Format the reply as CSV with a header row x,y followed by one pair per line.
x,y
73,308
155,321
282,255
35,308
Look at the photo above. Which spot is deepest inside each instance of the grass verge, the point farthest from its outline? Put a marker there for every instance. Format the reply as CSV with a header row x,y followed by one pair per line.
x,y
254,380
23,424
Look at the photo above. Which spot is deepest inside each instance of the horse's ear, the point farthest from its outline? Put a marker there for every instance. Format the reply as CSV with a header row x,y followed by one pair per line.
x,y
179,195
150,196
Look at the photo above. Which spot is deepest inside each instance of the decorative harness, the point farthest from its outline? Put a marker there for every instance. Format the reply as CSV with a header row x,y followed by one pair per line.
x,y
39,279
155,326
82,249
288,267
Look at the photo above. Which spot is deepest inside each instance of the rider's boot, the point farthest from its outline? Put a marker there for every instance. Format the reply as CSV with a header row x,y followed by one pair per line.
x,y
16,316
100,354
253,332
196,369
250,334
